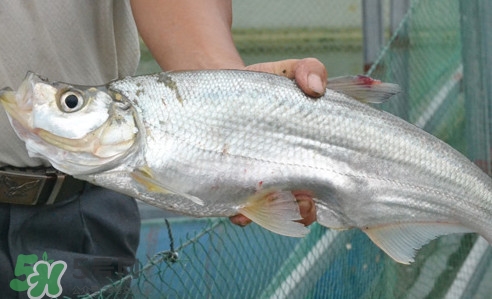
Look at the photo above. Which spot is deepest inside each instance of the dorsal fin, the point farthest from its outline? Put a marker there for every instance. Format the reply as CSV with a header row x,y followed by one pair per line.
x,y
364,88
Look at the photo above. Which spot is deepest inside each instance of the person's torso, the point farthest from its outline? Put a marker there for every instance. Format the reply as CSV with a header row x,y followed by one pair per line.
x,y
79,42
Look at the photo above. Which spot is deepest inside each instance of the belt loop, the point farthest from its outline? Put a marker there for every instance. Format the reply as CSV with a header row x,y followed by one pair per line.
x,y
60,178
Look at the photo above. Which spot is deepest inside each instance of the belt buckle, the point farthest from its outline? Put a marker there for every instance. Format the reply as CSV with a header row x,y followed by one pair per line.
x,y
28,188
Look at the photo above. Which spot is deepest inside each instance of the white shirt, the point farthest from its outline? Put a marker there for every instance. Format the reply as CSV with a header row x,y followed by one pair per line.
x,y
79,42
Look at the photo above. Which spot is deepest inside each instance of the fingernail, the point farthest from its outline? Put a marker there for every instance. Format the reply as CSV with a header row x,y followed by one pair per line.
x,y
315,84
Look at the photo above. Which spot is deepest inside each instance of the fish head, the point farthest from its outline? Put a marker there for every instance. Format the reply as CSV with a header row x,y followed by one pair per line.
x,y
79,129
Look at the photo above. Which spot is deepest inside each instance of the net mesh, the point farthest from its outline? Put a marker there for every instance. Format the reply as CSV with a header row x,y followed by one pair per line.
x,y
433,56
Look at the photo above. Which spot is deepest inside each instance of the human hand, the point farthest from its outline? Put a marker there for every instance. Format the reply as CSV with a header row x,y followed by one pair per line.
x,y
311,75
307,210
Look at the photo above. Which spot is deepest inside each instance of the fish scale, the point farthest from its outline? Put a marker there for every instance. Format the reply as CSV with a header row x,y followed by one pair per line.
x,y
223,142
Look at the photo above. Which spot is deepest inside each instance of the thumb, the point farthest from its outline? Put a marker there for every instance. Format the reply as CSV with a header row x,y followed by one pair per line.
x,y
309,73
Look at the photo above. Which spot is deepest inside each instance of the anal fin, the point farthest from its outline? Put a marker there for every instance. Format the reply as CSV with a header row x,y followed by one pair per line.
x,y
276,211
145,177
401,241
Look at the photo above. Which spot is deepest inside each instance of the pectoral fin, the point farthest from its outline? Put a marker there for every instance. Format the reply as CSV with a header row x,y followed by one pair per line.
x,y
145,177
363,88
275,211
401,241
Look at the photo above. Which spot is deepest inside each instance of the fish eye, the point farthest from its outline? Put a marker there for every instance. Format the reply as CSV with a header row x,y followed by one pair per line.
x,y
71,101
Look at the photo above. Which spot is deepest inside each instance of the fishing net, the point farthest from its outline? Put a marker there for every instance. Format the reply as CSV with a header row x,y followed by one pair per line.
x,y
439,54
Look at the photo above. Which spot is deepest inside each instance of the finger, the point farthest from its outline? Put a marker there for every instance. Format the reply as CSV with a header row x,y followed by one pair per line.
x,y
286,68
240,220
310,74
307,208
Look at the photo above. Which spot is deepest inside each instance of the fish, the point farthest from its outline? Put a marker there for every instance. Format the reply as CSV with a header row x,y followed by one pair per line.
x,y
216,143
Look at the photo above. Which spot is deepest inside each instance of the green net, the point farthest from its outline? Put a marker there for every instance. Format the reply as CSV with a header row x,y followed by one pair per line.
x,y
438,55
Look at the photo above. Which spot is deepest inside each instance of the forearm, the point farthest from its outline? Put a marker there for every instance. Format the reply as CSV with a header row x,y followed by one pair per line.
x,y
188,34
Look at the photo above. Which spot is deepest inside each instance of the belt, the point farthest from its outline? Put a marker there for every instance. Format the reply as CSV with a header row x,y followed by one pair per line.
x,y
36,186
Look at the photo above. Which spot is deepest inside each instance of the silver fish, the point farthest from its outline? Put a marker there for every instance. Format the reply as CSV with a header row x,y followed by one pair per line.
x,y
219,143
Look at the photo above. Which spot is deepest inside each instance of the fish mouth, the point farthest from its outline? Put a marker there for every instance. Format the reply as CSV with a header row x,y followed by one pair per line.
x,y
18,104
10,102
7,96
